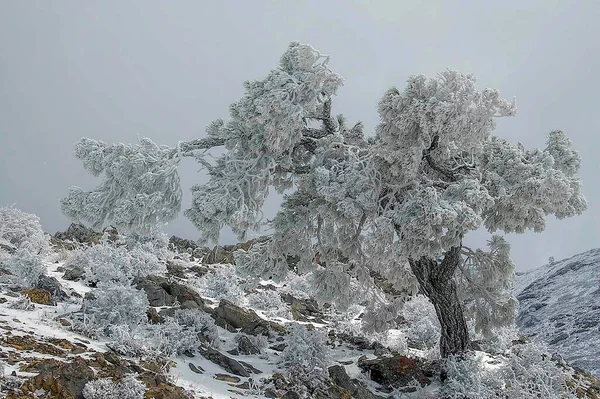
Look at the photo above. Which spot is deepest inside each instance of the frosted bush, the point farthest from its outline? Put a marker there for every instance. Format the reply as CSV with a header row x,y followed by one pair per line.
x,y
22,303
128,342
105,388
171,338
527,372
306,349
26,268
23,230
117,262
298,285
348,321
423,326
222,283
116,304
270,303
200,323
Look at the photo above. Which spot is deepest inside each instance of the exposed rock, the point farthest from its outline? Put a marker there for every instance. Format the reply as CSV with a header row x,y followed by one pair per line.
x,y
74,273
227,378
196,369
340,378
40,296
163,292
229,314
398,371
62,380
246,347
303,309
53,286
228,364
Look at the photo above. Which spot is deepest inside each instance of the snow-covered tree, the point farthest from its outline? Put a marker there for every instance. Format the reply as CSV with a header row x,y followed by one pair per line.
x,y
20,230
26,268
396,204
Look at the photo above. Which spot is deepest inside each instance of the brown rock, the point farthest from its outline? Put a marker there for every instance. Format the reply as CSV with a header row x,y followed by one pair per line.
x,y
38,295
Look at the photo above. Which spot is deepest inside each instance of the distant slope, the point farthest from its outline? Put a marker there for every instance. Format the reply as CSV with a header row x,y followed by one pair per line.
x,y
560,304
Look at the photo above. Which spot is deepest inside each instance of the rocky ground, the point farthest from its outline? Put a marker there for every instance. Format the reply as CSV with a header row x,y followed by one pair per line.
x,y
44,356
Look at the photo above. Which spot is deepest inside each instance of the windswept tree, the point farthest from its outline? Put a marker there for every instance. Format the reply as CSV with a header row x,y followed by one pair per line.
x,y
396,204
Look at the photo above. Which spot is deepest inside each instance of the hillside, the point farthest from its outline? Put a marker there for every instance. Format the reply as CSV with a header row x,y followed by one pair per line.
x,y
560,304
205,333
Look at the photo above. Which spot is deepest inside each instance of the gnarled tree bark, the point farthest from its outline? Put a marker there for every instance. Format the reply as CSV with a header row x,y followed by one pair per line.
x,y
436,280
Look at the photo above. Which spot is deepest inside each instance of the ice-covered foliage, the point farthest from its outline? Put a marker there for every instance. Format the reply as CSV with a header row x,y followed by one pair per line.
x,y
128,388
22,231
422,325
306,349
26,267
171,338
116,304
269,302
527,372
397,204
222,283
200,323
121,260
485,281
141,190
22,303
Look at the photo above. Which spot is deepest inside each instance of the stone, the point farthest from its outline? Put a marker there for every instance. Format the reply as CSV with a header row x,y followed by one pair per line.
x,y
228,364
229,314
398,371
354,387
246,347
74,273
38,295
196,369
227,378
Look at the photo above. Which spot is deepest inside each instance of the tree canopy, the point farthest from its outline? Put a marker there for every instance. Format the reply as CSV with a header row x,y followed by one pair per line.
x,y
396,203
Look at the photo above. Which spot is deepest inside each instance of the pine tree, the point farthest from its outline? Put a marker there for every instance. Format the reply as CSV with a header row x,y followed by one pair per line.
x,y
396,205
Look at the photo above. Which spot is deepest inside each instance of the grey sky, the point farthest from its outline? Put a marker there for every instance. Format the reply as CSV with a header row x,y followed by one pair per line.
x,y
114,69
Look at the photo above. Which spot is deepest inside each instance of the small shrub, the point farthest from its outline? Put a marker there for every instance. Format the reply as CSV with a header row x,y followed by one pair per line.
x,y
199,322
270,303
23,230
526,372
222,283
423,325
26,268
171,338
22,303
306,349
116,304
126,342
128,388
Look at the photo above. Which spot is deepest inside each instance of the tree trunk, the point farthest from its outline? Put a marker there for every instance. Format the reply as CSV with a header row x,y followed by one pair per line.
x,y
436,280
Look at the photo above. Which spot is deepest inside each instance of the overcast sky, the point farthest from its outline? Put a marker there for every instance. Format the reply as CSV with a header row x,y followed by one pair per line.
x,y
113,70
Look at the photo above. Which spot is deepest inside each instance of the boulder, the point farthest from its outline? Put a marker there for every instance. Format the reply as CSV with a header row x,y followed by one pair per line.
x,y
164,292
53,286
303,309
229,314
228,364
40,296
340,378
74,273
398,371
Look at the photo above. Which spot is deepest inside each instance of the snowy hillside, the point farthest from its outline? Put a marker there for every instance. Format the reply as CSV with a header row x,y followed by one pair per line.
x,y
560,304
103,319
